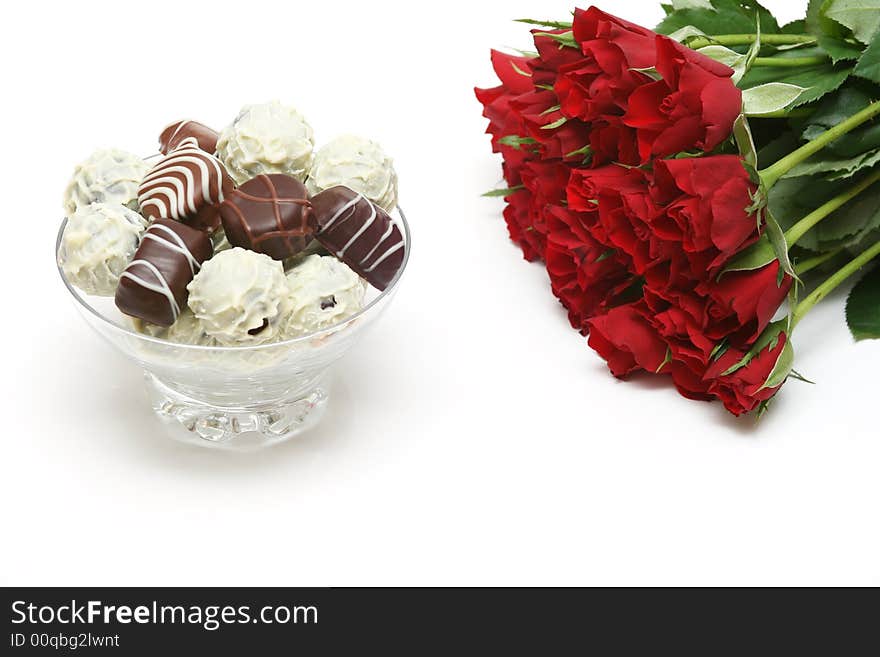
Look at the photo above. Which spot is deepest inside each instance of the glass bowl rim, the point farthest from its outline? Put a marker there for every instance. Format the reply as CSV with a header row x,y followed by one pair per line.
x,y
404,223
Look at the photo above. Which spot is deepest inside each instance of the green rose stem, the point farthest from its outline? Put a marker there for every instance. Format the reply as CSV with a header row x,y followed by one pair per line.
x,y
832,282
775,171
787,62
793,234
809,264
746,39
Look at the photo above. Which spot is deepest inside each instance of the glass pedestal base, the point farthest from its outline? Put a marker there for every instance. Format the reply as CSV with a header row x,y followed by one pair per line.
x,y
243,428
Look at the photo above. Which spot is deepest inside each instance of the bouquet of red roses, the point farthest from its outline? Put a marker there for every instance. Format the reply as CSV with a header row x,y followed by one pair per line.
x,y
694,191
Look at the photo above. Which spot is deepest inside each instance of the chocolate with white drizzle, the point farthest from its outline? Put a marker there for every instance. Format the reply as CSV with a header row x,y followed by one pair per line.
x,y
153,286
269,214
359,233
187,185
173,134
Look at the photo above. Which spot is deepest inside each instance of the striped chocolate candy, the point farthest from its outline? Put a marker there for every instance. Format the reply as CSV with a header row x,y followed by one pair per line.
x,y
359,233
188,185
153,286
269,214
173,134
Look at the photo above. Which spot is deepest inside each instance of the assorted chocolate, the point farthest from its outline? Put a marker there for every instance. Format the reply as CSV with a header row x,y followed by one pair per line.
x,y
259,228
153,286
359,233
269,214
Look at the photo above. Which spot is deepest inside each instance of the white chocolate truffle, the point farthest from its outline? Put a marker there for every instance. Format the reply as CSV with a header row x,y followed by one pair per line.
x,y
239,295
360,165
187,330
107,176
323,291
98,243
267,138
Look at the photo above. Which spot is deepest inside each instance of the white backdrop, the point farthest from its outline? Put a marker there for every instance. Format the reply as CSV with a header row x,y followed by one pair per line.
x,y
473,438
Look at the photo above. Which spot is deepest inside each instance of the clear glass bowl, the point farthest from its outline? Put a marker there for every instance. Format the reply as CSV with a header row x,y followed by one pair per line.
x,y
236,397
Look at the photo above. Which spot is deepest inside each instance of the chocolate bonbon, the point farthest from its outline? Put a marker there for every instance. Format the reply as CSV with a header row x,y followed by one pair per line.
x,y
240,296
356,163
154,285
323,292
98,243
269,214
267,138
187,185
106,176
359,233
175,133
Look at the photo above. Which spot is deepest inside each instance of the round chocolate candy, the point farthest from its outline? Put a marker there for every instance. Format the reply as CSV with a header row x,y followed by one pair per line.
x,y
269,214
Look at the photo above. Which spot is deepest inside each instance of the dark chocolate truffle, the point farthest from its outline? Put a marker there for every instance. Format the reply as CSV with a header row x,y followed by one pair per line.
x,y
359,233
269,214
175,133
153,286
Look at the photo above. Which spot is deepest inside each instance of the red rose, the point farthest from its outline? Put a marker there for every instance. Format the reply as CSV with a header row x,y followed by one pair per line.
x,y
741,304
518,217
595,86
743,390
551,58
504,120
541,116
693,106
602,80
584,276
705,201
626,339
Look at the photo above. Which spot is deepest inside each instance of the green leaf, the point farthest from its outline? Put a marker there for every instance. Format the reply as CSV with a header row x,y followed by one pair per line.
x,y
839,167
793,198
760,254
565,39
555,124
650,71
861,16
867,161
731,58
782,368
863,307
800,377
868,66
684,34
770,97
816,22
556,25
840,50
506,191
817,80
795,27
776,237
768,339
742,133
836,107
516,142
707,20
691,4
586,151
851,223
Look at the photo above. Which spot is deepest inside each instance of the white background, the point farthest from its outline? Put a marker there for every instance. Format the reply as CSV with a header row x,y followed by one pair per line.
x,y
473,438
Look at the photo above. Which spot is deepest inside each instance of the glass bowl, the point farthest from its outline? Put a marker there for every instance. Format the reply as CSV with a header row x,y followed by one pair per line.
x,y
236,397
